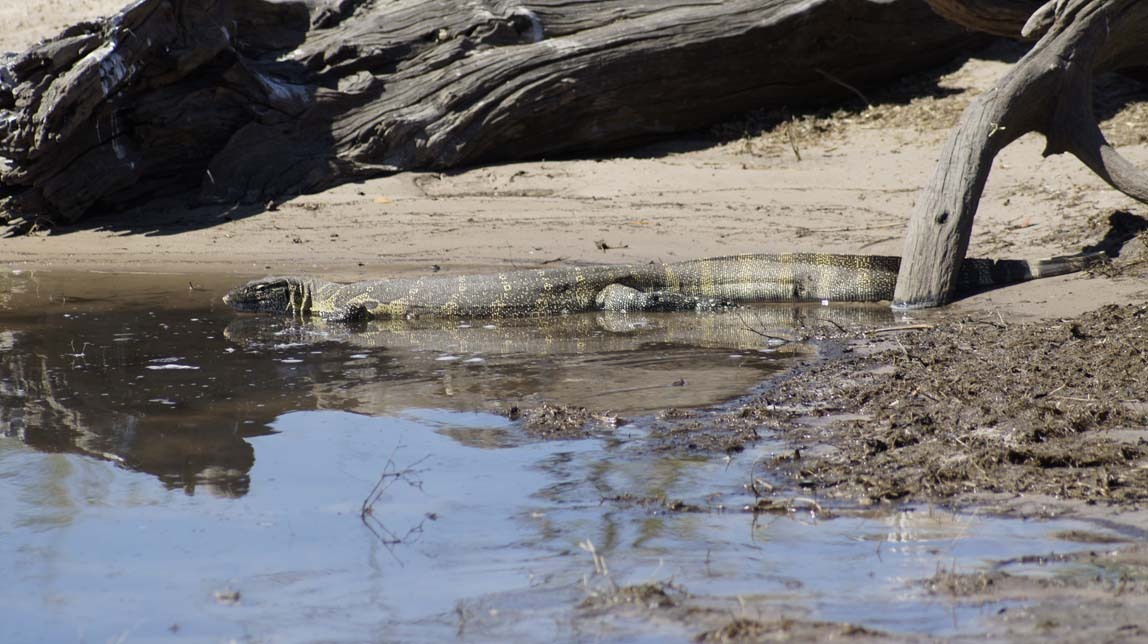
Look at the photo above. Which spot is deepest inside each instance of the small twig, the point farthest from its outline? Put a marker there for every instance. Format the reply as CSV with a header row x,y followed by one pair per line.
x,y
799,502
904,327
775,338
847,86
599,561
680,382
857,229
603,246
390,474
1075,399
510,252
878,241
792,141
927,395
834,323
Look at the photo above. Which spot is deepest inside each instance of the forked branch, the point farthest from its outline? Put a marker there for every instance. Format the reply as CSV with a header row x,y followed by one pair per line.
x,y
1048,91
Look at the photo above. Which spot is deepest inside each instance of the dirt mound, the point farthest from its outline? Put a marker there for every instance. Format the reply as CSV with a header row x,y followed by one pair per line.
x,y
979,405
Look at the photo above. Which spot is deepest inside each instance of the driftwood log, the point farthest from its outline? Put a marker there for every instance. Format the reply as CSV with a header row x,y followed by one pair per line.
x,y
255,100
1048,91
1000,17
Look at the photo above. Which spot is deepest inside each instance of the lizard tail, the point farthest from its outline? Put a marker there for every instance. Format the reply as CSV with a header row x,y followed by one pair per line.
x,y
997,272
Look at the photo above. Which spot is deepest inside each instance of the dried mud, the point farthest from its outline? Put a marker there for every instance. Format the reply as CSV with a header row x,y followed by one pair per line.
x,y
562,422
979,405
672,605
786,630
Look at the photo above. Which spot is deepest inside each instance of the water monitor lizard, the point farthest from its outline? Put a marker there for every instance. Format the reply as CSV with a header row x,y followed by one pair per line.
x,y
689,285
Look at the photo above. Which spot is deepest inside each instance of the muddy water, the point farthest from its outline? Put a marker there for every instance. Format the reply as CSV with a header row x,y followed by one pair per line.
x,y
168,470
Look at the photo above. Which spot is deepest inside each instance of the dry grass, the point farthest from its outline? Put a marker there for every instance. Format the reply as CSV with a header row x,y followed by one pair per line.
x,y
1121,104
926,103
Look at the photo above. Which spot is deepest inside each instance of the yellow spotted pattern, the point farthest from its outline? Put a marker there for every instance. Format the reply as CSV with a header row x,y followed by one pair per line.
x,y
555,291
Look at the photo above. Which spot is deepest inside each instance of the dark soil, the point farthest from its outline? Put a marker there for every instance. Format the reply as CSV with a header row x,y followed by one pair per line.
x,y
1112,572
975,405
651,595
562,422
786,630
685,430
711,619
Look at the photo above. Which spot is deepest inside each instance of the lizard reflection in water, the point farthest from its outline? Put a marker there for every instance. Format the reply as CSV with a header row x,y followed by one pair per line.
x,y
600,333
626,363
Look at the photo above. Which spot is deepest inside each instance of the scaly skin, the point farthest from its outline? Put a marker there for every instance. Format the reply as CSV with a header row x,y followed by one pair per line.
x,y
689,285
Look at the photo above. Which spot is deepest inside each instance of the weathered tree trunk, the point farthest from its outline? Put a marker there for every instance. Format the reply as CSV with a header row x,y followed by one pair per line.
x,y
1000,17
1048,91
251,100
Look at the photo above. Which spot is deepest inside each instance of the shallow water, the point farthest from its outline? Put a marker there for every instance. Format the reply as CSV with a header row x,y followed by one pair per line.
x,y
169,470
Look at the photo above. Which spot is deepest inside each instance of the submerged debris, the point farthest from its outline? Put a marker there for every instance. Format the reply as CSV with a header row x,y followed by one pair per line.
x,y
743,629
562,422
649,595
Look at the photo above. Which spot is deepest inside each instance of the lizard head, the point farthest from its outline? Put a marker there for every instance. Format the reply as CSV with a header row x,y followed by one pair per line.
x,y
272,295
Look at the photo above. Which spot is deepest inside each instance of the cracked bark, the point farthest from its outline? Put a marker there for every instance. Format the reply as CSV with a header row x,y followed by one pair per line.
x,y
253,100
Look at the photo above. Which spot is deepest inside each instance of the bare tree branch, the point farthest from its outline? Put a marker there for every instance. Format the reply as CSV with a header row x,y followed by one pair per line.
x,y
1048,91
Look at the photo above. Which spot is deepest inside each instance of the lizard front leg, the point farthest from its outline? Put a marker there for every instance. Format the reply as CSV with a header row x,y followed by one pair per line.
x,y
617,297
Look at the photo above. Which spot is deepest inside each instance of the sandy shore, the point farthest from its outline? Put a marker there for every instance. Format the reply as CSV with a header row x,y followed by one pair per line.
x,y
843,182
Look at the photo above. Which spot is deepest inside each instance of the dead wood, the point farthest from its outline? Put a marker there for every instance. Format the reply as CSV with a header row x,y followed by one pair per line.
x,y
1048,91
1000,17
255,100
